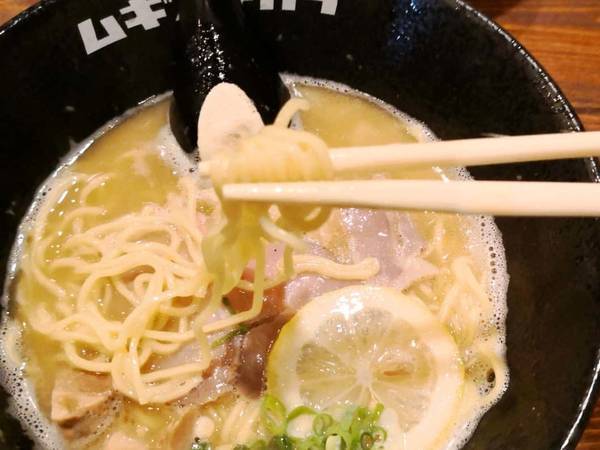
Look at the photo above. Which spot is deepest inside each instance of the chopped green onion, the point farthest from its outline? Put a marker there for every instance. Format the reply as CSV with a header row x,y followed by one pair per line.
x,y
322,423
333,443
300,411
379,433
197,445
239,331
377,411
282,442
366,441
272,413
228,306
357,429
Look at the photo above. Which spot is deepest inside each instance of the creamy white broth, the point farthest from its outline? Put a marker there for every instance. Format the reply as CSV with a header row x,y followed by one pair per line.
x,y
340,117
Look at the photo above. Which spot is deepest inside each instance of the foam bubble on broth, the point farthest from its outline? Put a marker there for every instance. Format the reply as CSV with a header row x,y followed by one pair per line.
x,y
483,237
170,152
486,236
22,402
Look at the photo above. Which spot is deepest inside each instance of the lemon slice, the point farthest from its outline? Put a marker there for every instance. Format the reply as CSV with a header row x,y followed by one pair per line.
x,y
362,345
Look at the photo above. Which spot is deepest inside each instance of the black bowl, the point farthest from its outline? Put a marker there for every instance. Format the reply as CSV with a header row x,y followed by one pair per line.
x,y
68,66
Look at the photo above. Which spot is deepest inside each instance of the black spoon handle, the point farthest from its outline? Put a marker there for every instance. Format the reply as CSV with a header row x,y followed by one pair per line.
x,y
216,45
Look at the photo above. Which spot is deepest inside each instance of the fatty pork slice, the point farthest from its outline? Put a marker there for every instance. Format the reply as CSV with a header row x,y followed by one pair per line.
x,y
75,393
84,405
392,238
253,353
254,347
220,377
354,234
240,362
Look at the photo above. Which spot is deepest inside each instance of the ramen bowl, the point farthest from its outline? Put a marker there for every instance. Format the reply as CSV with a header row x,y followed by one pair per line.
x,y
68,67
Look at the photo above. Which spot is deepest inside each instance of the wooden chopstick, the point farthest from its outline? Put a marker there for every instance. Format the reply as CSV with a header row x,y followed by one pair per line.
x,y
499,198
465,152
468,152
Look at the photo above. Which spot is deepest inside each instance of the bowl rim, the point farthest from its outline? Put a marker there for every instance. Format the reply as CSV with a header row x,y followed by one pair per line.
x,y
568,111
586,406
